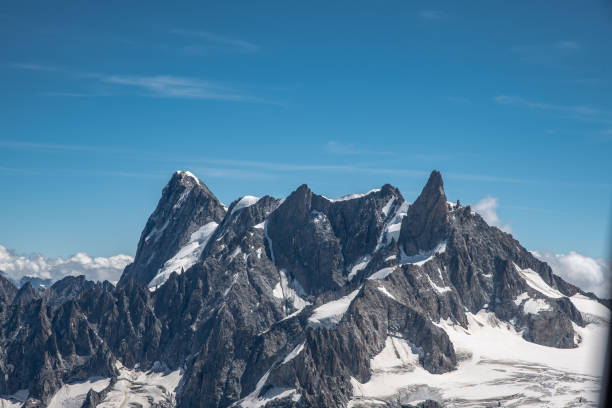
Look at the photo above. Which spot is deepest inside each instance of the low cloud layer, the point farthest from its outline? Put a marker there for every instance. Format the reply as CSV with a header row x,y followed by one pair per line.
x,y
589,274
487,208
17,266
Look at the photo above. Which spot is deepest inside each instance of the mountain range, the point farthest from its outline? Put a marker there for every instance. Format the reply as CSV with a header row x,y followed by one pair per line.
x,y
366,300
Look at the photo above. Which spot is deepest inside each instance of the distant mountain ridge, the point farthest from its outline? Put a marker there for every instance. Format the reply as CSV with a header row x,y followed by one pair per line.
x,y
305,302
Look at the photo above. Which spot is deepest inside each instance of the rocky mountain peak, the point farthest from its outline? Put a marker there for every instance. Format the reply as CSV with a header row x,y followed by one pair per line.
x,y
7,290
186,179
299,201
427,222
433,193
185,206
303,302
388,188
26,294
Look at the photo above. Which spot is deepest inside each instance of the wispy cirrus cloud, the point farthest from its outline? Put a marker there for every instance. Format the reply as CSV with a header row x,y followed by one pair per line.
x,y
490,178
234,173
352,149
13,170
12,144
35,67
431,15
210,42
246,169
361,169
547,53
168,86
459,99
349,149
576,111
567,45
159,86
76,94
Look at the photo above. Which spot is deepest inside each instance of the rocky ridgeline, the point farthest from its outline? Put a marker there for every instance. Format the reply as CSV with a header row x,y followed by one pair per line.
x,y
285,299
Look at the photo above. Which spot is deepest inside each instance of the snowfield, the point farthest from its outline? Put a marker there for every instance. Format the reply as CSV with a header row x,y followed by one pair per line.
x,y
142,388
133,388
422,257
245,202
73,395
353,196
330,313
536,282
495,365
186,257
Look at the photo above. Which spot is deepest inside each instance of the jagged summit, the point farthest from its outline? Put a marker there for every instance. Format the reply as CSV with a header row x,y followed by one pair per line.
x,y
7,289
26,294
186,206
427,222
188,179
304,302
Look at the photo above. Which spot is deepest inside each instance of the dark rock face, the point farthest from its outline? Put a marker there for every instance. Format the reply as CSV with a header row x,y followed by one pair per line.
x,y
186,204
37,283
424,404
317,239
26,294
244,322
66,289
7,291
302,242
94,398
427,222
60,346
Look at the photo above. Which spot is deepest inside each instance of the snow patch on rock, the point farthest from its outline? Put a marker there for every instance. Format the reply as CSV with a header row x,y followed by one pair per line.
x,y
290,290
396,353
535,306
244,202
382,273
360,265
386,292
591,310
330,313
534,280
439,289
423,256
353,196
385,210
391,230
186,257
294,353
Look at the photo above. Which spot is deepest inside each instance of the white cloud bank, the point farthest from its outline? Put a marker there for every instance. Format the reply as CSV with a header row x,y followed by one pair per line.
x,y
487,208
589,274
98,269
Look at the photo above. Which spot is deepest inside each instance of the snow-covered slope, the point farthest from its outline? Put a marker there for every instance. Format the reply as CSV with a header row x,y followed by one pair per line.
x,y
132,388
497,364
308,302
186,256
330,313
142,389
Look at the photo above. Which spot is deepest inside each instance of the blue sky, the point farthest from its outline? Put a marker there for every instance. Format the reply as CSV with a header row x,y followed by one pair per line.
x,y
101,102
